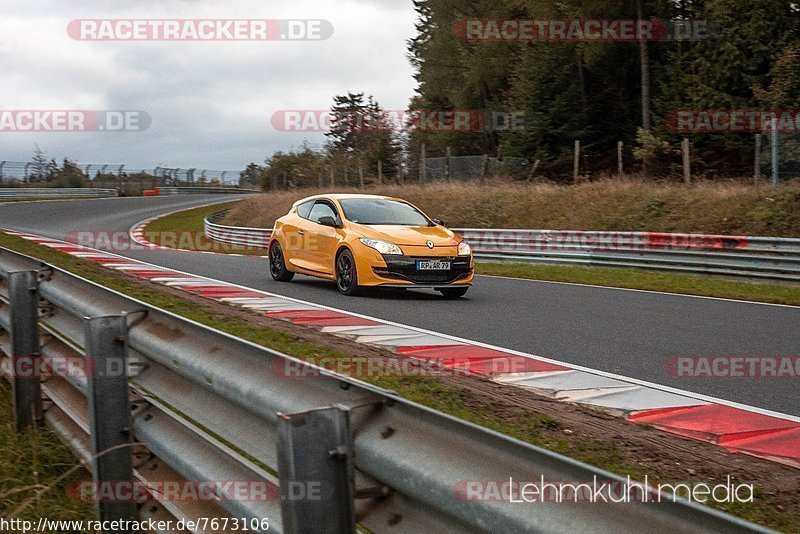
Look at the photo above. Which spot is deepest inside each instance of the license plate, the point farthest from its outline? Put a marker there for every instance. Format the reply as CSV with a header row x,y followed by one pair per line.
x,y
433,265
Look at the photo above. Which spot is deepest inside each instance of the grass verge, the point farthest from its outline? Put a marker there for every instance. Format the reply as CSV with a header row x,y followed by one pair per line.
x,y
685,284
184,230
538,429
32,466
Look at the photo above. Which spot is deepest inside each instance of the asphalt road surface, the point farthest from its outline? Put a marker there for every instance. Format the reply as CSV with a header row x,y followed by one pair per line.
x,y
624,332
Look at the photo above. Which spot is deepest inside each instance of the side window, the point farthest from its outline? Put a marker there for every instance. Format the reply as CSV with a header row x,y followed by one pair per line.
x,y
322,209
304,209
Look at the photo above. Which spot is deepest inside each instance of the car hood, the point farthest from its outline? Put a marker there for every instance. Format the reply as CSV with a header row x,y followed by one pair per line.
x,y
409,235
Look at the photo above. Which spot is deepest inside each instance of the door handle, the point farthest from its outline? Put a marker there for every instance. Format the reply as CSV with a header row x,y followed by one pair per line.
x,y
301,232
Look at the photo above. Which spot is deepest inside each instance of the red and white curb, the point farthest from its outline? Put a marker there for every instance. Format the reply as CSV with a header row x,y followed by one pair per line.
x,y
735,427
137,235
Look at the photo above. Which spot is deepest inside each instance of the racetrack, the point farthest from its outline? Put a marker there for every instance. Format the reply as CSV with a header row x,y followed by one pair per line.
x,y
629,333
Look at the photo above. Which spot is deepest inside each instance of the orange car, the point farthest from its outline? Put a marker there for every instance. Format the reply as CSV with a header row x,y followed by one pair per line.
x,y
366,240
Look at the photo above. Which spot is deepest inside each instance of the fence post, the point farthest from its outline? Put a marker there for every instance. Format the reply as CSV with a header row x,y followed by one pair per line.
x,y
577,162
533,170
23,311
333,175
775,159
380,172
757,162
360,175
109,410
423,166
448,153
620,166
484,167
687,166
315,466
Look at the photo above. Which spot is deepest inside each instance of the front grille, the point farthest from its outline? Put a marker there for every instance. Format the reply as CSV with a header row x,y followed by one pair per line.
x,y
405,268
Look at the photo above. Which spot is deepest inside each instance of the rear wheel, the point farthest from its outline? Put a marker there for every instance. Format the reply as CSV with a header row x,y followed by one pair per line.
x,y
346,274
453,292
277,265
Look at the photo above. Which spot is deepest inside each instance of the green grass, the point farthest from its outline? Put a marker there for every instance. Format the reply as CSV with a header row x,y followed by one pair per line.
x,y
184,230
537,429
36,469
707,286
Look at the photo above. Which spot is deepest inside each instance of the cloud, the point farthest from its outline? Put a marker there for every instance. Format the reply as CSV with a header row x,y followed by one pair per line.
x,y
211,103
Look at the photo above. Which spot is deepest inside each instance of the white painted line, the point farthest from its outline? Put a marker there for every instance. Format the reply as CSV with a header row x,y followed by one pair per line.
x,y
641,291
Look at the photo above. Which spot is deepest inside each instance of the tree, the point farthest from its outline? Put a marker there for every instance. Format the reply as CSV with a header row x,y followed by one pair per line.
x,y
41,170
69,175
361,130
296,168
251,176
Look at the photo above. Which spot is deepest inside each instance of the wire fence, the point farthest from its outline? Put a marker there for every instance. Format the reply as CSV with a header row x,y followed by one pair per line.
x,y
17,173
466,168
779,156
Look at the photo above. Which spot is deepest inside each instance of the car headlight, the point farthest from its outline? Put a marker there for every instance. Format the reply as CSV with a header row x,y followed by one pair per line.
x,y
464,249
384,247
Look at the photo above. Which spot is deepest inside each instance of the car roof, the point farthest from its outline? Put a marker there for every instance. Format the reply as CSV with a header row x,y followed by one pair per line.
x,y
344,196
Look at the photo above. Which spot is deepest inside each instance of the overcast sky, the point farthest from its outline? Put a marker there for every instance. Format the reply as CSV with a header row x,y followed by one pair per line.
x,y
210,102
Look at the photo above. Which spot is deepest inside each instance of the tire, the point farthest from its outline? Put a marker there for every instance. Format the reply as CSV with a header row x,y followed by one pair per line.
x,y
277,264
346,274
453,292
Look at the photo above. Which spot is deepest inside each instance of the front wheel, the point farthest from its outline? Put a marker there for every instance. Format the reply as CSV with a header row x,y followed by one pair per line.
x,y
346,274
277,265
453,292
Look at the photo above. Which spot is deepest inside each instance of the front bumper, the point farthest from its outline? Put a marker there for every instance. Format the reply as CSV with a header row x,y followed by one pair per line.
x,y
401,271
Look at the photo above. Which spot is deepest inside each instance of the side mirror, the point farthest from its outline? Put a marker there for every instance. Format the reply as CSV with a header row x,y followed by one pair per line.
x,y
328,221
439,222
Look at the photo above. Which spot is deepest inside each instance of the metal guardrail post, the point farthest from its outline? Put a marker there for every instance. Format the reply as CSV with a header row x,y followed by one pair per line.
x,y
23,311
109,410
315,465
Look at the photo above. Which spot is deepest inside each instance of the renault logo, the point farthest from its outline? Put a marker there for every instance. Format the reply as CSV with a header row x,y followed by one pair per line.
x,y
430,244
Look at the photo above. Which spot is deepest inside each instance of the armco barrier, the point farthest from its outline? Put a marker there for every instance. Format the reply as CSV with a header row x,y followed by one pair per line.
x,y
14,193
168,191
768,258
207,406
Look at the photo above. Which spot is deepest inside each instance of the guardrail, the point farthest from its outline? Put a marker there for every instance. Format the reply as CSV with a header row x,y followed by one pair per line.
x,y
768,258
235,235
206,191
164,398
55,192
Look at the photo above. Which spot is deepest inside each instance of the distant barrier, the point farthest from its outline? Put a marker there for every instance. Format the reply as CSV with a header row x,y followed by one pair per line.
x,y
168,191
15,193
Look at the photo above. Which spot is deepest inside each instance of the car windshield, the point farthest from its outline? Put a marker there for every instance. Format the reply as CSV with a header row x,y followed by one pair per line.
x,y
382,212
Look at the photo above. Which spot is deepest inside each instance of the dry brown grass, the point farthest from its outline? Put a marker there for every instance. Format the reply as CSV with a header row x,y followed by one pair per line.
x,y
619,205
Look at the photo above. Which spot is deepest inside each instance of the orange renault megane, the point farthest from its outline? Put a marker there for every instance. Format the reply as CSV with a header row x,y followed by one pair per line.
x,y
365,240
